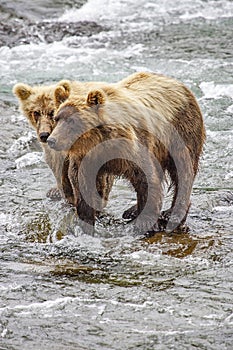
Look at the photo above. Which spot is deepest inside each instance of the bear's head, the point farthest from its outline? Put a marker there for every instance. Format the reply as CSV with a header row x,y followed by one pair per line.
x,y
76,116
37,104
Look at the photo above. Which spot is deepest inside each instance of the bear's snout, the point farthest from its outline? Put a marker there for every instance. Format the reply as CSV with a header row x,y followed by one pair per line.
x,y
51,142
44,136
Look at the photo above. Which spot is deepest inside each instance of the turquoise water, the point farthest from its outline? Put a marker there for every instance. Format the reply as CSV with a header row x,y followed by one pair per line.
x,y
61,289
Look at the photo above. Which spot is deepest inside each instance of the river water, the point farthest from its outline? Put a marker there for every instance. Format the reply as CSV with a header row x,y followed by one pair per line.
x,y
61,289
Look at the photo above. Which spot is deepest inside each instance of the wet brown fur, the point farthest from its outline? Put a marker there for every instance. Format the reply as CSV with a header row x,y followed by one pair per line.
x,y
148,111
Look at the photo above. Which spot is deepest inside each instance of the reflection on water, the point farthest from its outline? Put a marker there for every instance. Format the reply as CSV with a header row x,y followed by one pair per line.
x,y
182,245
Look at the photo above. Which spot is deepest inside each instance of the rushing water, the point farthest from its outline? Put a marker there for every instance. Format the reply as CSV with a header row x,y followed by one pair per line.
x,y
61,289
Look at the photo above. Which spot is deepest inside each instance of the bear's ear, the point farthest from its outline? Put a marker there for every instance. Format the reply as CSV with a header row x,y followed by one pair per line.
x,y
96,97
61,93
66,84
22,91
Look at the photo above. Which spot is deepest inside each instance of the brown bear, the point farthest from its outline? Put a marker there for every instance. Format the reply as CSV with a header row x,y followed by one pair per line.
x,y
37,104
142,128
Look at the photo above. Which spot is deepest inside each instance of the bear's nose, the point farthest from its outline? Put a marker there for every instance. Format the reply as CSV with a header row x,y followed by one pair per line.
x,y
43,136
51,142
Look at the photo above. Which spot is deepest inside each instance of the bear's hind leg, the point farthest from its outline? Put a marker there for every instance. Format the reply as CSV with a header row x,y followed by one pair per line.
x,y
178,212
104,185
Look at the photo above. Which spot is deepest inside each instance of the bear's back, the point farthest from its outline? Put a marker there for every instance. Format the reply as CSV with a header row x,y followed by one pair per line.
x,y
159,95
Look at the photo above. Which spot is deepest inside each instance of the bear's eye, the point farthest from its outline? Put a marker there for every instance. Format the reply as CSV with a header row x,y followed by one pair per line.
x,y
51,114
36,115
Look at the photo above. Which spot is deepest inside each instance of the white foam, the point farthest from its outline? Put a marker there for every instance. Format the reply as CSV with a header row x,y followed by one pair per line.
x,y
229,176
5,218
37,307
230,109
4,333
21,145
28,159
18,117
211,10
145,258
97,10
212,90
229,320
108,10
223,209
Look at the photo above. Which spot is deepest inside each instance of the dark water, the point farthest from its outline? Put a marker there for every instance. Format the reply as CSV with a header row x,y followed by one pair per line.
x,y
61,289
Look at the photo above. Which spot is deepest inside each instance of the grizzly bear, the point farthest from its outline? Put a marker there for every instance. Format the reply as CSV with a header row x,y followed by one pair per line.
x,y
37,104
142,128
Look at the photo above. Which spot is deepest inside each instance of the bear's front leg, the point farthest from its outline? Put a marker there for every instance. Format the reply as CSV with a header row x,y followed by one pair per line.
x,y
149,201
67,187
86,215
83,197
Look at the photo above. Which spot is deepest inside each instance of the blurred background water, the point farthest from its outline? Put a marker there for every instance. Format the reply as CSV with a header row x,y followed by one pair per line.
x,y
61,289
